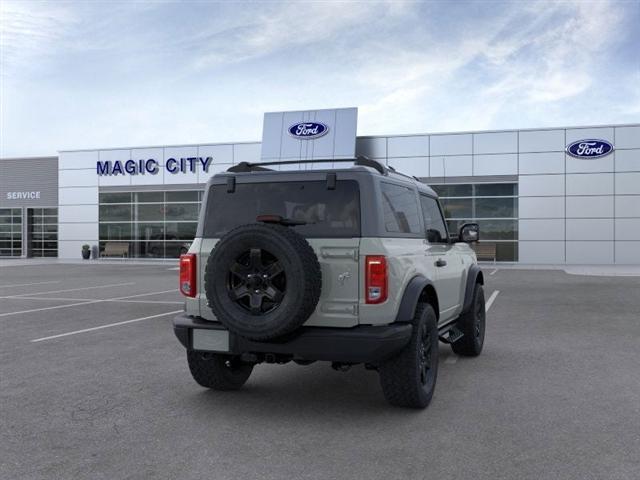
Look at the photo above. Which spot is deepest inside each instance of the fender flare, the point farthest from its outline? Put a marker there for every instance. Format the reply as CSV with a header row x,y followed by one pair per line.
x,y
474,276
410,298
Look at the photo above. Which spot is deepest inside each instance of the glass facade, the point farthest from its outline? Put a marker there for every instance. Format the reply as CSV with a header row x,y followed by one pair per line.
x,y
494,206
10,232
160,224
42,228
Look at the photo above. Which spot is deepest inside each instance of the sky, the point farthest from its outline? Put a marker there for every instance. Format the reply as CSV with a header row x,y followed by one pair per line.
x,y
96,74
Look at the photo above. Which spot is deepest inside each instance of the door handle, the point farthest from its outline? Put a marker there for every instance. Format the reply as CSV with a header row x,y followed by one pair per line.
x,y
440,262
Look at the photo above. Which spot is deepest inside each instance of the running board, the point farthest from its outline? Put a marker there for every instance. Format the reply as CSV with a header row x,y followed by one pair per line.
x,y
452,335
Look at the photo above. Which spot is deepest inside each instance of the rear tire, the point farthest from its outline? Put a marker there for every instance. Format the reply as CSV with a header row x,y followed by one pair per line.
x,y
409,378
262,281
218,372
472,325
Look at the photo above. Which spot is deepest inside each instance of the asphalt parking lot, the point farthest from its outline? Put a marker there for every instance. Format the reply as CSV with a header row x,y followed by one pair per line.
x,y
555,394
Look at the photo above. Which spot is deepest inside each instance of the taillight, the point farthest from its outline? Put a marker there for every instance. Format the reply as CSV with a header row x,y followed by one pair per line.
x,y
188,286
375,279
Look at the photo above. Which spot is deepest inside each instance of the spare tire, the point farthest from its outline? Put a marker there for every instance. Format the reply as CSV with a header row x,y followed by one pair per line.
x,y
262,281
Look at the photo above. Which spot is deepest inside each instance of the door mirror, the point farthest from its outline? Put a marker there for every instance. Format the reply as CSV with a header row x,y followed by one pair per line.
x,y
469,233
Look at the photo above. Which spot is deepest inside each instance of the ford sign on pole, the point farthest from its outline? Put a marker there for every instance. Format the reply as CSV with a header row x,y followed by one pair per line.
x,y
590,148
308,130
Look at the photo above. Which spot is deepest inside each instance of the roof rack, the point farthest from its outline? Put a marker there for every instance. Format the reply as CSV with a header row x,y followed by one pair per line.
x,y
245,167
412,177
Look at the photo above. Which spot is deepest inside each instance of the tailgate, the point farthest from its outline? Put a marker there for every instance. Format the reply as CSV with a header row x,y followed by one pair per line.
x,y
338,305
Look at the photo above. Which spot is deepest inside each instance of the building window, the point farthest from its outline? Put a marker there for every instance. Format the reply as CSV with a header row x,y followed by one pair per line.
x,y
494,206
10,232
152,224
42,228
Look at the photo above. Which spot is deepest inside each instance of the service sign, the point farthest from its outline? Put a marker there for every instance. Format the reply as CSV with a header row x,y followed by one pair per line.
x,y
308,130
23,195
589,149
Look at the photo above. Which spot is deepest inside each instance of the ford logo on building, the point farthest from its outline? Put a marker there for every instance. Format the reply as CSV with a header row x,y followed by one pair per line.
x,y
590,148
308,130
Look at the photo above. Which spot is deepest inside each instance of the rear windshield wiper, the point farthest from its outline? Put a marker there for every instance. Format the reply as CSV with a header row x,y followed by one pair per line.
x,y
287,222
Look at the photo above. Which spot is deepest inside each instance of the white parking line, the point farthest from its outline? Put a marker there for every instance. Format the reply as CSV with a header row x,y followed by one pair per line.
x,y
104,326
451,360
147,301
72,289
28,284
494,272
67,299
33,310
491,300
174,290
89,302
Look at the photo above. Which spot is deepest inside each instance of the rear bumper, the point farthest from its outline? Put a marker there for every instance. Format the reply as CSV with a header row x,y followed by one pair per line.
x,y
361,344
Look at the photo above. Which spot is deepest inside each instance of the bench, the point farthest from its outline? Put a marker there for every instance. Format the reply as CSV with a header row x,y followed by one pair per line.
x,y
115,249
485,251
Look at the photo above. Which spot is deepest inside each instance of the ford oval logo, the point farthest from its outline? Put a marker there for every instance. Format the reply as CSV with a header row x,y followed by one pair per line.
x,y
589,148
308,130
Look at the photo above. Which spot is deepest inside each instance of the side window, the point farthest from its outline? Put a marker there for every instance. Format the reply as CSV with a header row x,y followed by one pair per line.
x,y
400,209
433,221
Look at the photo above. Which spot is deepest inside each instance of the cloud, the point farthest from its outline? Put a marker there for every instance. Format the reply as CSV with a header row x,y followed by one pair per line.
x,y
299,28
542,54
30,30
166,73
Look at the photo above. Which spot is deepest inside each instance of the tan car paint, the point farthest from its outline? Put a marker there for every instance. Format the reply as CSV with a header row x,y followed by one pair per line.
x,y
342,261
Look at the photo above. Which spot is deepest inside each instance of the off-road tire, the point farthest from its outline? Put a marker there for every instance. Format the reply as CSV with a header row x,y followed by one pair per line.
x,y
218,372
401,377
299,265
472,325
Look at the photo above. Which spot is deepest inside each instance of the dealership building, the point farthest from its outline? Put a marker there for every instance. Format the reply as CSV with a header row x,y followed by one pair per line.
x,y
567,195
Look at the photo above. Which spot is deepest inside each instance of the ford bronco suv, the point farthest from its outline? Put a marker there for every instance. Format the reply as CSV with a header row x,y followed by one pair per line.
x,y
348,265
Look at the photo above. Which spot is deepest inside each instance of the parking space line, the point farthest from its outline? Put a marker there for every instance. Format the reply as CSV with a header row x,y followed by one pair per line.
x,y
28,284
33,310
491,300
174,290
89,302
160,302
451,360
67,299
494,272
72,289
109,325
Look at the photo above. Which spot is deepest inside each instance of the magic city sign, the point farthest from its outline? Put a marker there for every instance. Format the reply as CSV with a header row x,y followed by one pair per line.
x,y
151,166
589,148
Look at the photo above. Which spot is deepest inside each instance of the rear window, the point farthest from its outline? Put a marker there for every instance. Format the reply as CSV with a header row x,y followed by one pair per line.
x,y
328,213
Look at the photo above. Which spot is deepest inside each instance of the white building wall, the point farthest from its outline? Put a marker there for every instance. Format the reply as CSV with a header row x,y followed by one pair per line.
x,y
570,210
79,183
78,202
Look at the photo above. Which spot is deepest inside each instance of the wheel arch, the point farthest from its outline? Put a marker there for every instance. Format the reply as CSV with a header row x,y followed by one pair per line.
x,y
474,276
419,289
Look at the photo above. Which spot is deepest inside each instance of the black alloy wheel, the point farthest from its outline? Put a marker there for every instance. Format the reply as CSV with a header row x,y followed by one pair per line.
x,y
424,357
409,378
472,324
262,281
479,319
257,281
